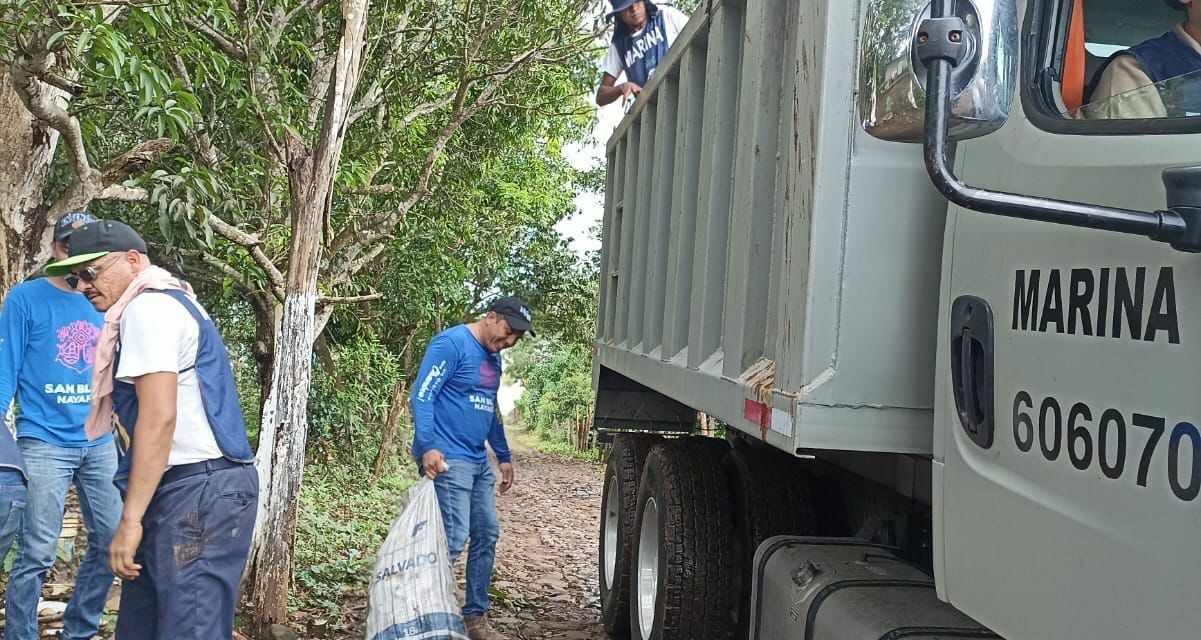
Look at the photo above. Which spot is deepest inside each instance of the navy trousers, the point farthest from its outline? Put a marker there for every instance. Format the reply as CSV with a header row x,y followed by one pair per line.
x,y
195,540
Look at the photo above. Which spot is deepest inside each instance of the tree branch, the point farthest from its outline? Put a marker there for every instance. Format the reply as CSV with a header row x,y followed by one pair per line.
x,y
370,190
66,85
122,193
326,300
26,72
221,267
200,136
224,43
134,161
254,246
279,26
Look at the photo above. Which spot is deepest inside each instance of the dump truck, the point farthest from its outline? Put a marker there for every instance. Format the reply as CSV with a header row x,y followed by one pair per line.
x,y
931,300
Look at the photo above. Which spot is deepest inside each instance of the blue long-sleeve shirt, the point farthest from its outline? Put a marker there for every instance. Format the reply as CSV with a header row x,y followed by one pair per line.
x,y
47,344
454,399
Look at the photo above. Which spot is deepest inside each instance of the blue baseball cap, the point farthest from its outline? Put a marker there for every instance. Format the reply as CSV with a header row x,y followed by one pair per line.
x,y
618,7
67,224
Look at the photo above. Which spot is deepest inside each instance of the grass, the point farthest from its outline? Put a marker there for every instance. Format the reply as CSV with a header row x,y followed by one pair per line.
x,y
554,447
343,520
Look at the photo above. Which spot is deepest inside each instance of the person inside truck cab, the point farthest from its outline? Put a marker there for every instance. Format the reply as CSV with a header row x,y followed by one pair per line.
x,y
642,34
1157,78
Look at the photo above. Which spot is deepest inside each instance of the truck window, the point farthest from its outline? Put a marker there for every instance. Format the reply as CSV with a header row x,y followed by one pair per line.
x,y
1115,63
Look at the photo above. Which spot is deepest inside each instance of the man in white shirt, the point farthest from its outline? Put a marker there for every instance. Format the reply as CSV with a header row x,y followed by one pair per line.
x,y
162,378
641,36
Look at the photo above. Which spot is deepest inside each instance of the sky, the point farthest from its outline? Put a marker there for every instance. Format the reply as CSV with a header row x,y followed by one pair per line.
x,y
590,204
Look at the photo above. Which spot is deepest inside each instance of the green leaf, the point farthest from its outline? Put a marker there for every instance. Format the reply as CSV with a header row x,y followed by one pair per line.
x,y
54,39
82,43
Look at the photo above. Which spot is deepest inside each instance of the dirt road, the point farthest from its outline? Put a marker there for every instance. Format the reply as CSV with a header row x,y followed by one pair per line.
x,y
546,557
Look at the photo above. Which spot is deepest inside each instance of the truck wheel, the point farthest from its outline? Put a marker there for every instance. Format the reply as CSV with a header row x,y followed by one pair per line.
x,y
770,496
680,589
622,473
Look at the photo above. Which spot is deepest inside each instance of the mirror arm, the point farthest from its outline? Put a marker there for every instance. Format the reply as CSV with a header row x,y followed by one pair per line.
x,y
940,46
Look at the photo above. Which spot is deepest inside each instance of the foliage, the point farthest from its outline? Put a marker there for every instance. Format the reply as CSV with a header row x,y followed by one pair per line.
x,y
347,405
557,381
557,447
446,195
343,520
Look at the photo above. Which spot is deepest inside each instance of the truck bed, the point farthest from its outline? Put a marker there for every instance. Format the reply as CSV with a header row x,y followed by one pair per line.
x,y
764,260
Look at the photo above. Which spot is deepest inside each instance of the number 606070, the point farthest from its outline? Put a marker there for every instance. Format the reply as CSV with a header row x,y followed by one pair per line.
x,y
1086,437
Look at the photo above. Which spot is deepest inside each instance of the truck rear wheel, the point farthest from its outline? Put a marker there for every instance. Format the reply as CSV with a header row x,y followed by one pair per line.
x,y
680,586
622,474
769,496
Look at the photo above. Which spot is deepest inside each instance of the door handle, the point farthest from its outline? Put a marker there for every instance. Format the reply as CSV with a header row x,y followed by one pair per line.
x,y
972,367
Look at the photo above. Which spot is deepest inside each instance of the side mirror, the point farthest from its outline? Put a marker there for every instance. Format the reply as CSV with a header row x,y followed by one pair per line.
x,y
943,45
892,80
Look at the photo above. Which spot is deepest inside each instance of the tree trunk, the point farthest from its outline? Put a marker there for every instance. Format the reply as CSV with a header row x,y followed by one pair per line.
x,y
396,411
28,152
280,458
263,349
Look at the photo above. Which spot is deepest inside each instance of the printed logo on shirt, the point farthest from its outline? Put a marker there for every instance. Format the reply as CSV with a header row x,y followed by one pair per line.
x,y
77,345
488,376
652,38
482,402
69,393
431,379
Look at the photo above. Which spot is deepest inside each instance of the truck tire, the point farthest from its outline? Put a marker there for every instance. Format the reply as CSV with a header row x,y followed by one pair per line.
x,y
622,473
680,588
770,495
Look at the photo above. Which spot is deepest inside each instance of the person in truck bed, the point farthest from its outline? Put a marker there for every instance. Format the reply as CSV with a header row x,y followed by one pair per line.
x,y
641,36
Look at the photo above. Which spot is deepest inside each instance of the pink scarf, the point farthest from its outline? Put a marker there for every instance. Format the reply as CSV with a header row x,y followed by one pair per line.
x,y
100,415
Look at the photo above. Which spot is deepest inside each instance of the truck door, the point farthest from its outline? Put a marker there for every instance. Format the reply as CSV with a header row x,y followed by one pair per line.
x,y
1068,506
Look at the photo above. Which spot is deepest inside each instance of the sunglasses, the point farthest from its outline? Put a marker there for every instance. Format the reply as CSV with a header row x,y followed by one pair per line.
x,y
87,274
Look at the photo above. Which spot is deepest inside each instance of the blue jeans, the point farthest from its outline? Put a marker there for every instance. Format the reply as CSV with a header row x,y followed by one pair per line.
x,y
195,541
468,509
51,470
12,505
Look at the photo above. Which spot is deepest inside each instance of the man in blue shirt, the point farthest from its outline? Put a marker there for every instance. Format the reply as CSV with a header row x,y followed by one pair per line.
x,y
47,344
454,414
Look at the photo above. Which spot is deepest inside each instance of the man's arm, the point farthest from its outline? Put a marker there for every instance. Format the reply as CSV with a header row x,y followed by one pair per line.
x,y
440,360
497,440
152,437
14,334
500,446
608,91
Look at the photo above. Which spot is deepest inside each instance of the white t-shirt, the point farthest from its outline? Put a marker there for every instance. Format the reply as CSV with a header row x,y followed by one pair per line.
x,y
158,335
673,22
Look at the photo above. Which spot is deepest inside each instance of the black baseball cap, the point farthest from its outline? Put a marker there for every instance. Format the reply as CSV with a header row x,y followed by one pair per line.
x,y
69,223
515,312
95,240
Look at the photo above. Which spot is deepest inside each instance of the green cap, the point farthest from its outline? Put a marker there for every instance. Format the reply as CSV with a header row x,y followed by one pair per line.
x,y
95,240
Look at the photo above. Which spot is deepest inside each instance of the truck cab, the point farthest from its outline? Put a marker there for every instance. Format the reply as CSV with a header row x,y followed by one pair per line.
x,y
932,279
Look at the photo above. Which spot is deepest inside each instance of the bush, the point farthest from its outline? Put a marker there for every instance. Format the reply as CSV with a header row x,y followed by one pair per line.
x,y
558,388
347,408
342,521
